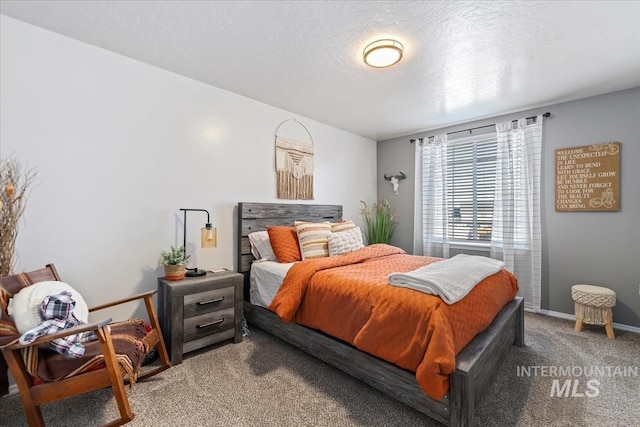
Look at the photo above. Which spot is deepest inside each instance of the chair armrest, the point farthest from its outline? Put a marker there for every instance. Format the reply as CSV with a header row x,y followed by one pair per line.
x,y
122,301
94,326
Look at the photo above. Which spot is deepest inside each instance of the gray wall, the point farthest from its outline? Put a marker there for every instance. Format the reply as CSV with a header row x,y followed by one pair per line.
x,y
600,248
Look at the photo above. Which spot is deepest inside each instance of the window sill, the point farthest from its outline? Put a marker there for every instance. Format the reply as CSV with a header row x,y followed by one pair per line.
x,y
470,245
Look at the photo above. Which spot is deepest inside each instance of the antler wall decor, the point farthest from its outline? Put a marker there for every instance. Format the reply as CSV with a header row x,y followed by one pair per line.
x,y
395,181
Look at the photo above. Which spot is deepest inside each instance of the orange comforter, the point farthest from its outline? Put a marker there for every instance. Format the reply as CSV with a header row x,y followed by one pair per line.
x,y
348,297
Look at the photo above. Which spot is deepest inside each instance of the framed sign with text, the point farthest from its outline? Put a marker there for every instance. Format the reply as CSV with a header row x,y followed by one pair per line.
x,y
588,178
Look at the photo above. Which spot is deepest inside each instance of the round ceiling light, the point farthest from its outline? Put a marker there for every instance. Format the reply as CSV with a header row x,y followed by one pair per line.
x,y
383,53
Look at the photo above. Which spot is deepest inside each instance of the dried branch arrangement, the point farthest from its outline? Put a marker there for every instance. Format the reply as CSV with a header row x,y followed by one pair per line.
x,y
15,180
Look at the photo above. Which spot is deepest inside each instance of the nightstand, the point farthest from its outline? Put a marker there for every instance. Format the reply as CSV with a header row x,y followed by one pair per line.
x,y
199,311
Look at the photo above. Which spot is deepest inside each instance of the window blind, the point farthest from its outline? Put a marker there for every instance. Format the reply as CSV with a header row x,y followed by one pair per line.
x,y
471,176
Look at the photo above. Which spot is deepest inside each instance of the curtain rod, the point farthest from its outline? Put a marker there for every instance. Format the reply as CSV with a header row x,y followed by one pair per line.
x,y
412,140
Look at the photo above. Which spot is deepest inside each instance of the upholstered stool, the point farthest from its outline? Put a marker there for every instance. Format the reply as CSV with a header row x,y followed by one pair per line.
x,y
593,306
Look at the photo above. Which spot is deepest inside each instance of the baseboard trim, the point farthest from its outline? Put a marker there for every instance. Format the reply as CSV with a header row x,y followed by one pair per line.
x,y
566,316
13,389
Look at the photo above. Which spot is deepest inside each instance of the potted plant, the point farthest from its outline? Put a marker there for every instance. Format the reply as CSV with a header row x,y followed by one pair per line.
x,y
380,221
175,263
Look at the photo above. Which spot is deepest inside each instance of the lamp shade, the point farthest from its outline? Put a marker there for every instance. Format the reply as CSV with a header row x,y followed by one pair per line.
x,y
208,236
383,53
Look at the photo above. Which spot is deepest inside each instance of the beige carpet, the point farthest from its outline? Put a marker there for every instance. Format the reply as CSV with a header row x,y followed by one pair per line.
x,y
264,381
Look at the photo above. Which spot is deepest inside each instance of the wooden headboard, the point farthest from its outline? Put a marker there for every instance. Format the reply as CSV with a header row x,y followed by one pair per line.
x,y
258,216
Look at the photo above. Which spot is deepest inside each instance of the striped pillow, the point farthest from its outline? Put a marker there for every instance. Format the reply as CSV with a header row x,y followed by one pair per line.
x,y
338,227
313,239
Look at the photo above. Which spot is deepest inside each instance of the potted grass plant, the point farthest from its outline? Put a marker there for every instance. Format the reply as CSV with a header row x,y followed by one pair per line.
x,y
380,221
175,263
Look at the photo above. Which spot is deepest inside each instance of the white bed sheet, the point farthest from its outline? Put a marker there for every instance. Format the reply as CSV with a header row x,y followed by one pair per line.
x,y
265,280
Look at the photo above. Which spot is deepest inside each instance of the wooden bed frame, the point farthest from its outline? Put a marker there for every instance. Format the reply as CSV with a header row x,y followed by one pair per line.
x,y
476,364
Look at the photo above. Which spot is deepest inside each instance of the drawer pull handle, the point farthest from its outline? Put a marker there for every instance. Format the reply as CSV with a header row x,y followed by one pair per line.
x,y
215,322
211,301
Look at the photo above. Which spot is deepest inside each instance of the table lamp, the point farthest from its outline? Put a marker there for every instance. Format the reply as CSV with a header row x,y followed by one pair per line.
x,y
208,239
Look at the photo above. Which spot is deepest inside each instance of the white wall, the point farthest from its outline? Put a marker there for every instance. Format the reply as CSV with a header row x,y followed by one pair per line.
x,y
120,146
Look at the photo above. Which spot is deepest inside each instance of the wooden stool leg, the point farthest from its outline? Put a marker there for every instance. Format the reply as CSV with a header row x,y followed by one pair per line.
x,y
578,324
608,326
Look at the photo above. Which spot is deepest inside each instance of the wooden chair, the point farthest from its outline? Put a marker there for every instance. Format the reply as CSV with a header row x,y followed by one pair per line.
x,y
110,373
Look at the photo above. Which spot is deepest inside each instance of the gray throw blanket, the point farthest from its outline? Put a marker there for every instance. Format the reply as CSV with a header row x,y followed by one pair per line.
x,y
451,279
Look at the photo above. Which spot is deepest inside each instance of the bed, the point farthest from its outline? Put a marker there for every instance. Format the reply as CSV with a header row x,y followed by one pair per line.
x,y
475,364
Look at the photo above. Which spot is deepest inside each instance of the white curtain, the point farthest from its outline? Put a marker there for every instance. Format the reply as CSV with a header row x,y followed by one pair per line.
x,y
430,216
515,234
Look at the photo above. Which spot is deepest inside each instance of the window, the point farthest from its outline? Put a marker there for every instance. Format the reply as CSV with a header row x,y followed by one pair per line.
x,y
471,177
483,190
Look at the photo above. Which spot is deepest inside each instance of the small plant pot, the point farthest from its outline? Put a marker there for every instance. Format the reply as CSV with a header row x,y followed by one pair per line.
x,y
174,272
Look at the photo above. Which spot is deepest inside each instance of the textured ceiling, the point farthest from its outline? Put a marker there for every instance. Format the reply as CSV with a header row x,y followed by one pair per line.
x,y
463,60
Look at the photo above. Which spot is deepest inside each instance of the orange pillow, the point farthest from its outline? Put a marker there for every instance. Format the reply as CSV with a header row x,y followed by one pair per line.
x,y
284,241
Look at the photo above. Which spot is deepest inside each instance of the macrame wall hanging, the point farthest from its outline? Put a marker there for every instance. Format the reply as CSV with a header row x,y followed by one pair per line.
x,y
294,166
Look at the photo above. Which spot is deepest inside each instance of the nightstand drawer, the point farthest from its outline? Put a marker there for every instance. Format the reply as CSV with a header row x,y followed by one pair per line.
x,y
208,324
205,302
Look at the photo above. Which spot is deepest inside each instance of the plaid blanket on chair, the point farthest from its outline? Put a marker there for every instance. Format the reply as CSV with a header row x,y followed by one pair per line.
x,y
129,341
57,314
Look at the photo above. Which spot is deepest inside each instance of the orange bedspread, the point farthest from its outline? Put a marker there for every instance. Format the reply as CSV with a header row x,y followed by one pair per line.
x,y
348,297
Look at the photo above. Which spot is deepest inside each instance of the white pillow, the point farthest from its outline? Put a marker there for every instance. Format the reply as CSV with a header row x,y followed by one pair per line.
x,y
24,307
261,246
345,241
